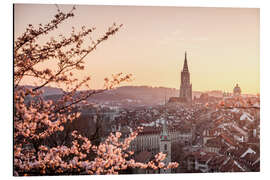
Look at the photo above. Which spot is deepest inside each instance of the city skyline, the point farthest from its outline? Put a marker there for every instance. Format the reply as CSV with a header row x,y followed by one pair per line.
x,y
165,90
222,44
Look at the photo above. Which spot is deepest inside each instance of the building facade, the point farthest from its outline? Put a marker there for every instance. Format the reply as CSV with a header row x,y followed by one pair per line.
x,y
149,140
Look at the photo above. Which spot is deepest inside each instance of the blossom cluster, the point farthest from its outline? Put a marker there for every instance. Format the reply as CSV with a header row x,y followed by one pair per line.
x,y
111,156
37,120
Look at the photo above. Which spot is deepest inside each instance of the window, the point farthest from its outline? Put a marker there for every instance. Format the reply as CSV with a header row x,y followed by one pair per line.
x,y
165,147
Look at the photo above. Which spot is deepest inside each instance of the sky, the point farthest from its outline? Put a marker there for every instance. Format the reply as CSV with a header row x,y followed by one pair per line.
x,y
222,44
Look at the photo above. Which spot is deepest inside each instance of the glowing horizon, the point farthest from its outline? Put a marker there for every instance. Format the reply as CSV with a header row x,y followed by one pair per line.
x,y
222,44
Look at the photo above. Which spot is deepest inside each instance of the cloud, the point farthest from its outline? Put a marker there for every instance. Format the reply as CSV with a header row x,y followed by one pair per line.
x,y
175,36
199,39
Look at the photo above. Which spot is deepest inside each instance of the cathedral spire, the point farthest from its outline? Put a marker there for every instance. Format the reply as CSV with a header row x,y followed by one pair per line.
x,y
185,86
185,68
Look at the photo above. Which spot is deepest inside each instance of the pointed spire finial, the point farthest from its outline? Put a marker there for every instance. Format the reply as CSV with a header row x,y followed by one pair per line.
x,y
185,68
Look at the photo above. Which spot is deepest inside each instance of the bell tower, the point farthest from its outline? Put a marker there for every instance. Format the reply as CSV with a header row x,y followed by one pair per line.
x,y
165,144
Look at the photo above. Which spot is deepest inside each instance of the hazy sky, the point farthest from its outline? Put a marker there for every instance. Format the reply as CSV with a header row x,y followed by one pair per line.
x,y
222,44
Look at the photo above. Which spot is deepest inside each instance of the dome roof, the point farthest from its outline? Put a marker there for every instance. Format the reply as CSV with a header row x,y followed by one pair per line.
x,y
237,89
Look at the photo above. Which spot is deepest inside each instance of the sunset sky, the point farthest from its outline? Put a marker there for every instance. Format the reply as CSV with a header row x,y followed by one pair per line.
x,y
222,44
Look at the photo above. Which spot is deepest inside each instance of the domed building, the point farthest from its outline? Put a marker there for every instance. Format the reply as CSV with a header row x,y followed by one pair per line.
x,y
236,90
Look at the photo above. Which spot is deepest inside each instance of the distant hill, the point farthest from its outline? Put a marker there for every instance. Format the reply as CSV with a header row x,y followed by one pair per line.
x,y
142,94
48,90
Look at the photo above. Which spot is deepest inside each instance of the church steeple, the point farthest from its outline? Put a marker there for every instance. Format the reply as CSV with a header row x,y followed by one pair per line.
x,y
165,142
185,85
164,133
185,68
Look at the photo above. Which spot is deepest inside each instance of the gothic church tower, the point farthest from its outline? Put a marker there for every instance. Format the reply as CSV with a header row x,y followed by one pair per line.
x,y
185,86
